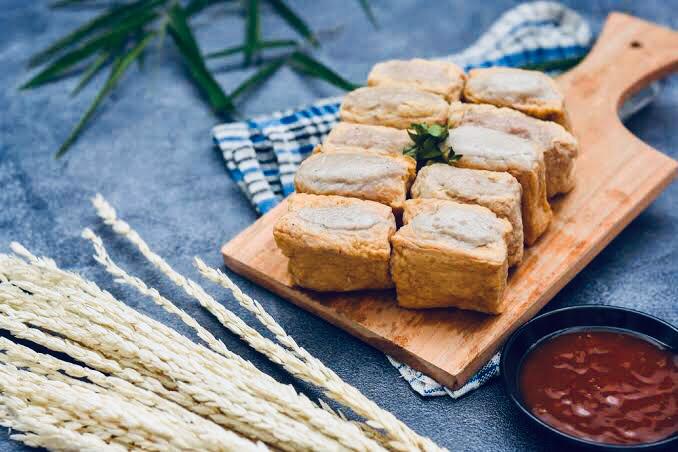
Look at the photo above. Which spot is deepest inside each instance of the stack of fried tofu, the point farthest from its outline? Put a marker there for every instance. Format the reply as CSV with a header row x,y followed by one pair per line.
x,y
461,226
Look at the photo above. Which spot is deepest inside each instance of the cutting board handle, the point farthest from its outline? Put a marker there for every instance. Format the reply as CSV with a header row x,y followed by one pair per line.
x,y
629,54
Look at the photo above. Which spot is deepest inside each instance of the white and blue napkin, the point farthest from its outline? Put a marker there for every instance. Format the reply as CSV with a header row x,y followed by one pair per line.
x,y
263,153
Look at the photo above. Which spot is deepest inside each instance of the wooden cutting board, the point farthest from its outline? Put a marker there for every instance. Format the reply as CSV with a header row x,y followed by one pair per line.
x,y
617,177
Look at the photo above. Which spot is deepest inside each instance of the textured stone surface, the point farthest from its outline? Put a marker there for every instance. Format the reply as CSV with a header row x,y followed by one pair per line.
x,y
150,154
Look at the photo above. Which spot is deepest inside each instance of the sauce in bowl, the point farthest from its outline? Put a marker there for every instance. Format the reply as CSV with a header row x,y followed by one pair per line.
x,y
605,386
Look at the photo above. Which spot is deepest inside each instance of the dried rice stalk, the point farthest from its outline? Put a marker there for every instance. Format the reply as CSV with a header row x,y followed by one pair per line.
x,y
80,311
308,369
205,434
298,407
93,359
246,416
76,351
40,430
335,387
113,419
87,320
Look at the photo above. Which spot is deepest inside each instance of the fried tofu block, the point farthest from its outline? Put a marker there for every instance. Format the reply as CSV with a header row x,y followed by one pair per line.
x,y
532,92
374,177
437,77
450,254
560,146
393,106
348,137
488,149
499,192
335,243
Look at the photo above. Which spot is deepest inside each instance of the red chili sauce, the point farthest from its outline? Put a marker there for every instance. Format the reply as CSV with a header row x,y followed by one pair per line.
x,y
603,386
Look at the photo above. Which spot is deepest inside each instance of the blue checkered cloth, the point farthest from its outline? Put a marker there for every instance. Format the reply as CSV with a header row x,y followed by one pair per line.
x,y
263,153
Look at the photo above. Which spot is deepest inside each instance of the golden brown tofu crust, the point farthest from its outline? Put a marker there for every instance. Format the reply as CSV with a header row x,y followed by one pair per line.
x,y
450,254
350,137
500,192
492,150
532,92
374,177
335,243
560,147
438,77
393,106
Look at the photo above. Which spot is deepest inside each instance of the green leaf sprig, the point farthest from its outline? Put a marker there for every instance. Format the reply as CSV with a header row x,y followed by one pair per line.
x,y
429,145
123,32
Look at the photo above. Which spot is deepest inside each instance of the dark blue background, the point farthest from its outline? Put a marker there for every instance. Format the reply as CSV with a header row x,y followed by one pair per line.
x,y
150,153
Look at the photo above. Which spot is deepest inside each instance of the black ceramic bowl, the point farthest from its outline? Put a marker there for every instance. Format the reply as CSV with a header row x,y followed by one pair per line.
x,y
591,316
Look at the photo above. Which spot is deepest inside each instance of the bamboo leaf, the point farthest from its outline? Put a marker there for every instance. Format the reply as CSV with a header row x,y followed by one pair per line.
x,y
251,30
98,64
226,52
70,59
196,6
138,36
259,77
101,21
119,67
92,70
261,46
178,25
202,77
278,43
293,20
367,9
310,66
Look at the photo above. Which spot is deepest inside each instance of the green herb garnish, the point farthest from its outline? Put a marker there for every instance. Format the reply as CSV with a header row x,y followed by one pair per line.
x,y
429,145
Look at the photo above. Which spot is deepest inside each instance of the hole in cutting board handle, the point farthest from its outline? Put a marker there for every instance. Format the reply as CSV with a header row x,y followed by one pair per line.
x,y
628,55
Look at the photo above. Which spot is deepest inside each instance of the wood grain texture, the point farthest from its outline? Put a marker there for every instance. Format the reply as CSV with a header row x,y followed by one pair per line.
x,y
617,177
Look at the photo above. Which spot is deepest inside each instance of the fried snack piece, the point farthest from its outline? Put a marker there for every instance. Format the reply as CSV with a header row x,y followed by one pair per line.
x,y
488,149
499,192
560,146
450,254
335,243
437,77
348,137
532,92
393,107
381,178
